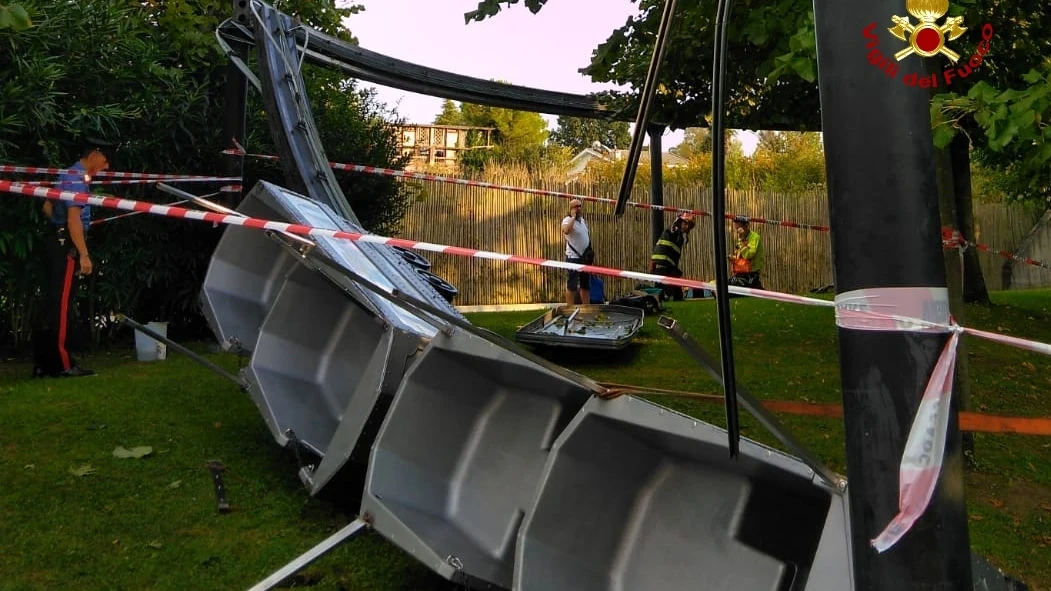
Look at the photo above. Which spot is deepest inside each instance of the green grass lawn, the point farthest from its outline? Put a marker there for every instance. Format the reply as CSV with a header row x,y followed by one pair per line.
x,y
152,523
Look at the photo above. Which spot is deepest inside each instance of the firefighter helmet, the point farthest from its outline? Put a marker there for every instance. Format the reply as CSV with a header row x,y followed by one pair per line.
x,y
685,221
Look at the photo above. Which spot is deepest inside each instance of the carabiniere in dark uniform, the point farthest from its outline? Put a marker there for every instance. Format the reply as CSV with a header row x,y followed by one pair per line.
x,y
65,256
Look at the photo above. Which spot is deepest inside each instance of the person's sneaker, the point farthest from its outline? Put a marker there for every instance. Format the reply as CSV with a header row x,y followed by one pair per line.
x,y
76,372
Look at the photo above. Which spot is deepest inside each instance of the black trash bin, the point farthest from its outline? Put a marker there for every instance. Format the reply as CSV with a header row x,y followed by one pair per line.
x,y
444,288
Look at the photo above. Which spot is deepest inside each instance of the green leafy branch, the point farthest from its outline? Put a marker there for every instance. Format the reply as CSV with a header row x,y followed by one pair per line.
x,y
14,16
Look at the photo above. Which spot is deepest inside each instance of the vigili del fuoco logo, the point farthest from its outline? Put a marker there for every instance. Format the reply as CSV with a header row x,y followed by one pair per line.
x,y
927,38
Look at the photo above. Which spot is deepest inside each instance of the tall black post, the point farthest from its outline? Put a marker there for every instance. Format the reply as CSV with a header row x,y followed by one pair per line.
x,y
656,182
235,110
885,238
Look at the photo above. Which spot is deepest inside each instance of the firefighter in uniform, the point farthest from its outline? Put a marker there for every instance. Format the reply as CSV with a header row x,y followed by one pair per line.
x,y
66,256
668,251
746,262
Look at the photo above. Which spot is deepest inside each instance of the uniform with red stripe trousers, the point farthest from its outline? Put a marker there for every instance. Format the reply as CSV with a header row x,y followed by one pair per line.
x,y
66,256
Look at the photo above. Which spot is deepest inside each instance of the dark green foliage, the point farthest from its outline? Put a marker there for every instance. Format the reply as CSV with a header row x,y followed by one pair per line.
x,y
150,76
578,133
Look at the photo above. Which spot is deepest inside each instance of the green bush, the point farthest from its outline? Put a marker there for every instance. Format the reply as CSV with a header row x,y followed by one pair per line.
x,y
150,75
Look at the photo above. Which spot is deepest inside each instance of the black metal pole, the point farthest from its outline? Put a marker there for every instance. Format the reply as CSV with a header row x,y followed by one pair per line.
x,y
884,215
235,113
199,359
722,295
656,182
649,89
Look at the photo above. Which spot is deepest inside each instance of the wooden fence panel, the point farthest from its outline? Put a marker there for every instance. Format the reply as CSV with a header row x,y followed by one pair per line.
x,y
1001,226
796,260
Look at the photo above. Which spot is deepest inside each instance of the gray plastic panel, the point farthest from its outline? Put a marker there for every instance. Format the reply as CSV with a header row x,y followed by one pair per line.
x,y
376,262
314,346
635,496
322,363
457,461
244,277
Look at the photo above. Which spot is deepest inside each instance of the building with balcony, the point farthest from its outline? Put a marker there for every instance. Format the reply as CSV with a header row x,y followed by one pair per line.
x,y
433,145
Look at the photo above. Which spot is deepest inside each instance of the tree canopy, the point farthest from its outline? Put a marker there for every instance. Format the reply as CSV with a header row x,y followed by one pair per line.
x,y
577,133
516,131
771,75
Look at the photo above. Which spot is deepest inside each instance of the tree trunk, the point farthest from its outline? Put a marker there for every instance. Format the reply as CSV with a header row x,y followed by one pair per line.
x,y
955,281
974,290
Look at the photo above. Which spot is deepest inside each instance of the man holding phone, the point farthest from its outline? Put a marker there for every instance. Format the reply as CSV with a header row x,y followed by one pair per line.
x,y
578,250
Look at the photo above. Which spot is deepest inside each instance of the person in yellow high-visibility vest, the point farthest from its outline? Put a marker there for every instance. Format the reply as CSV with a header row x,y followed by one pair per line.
x,y
668,251
746,262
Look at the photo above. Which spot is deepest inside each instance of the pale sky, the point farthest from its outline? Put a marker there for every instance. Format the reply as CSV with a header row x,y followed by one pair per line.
x,y
544,50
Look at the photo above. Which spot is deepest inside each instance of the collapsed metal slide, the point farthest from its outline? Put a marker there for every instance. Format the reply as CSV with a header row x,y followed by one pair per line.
x,y
492,466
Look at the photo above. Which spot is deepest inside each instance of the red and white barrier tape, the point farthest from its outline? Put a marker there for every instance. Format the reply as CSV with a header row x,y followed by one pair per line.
x,y
144,176
544,192
129,214
174,179
951,238
919,472
238,220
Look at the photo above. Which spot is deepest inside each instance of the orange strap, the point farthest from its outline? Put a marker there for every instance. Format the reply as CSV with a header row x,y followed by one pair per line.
x,y
969,421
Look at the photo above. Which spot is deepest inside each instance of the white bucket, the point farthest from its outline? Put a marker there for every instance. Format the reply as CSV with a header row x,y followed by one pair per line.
x,y
149,349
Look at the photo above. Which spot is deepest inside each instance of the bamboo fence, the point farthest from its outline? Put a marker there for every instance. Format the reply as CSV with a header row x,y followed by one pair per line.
x,y
796,260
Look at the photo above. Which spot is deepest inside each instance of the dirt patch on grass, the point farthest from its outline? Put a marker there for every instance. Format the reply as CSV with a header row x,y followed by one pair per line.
x,y
1017,498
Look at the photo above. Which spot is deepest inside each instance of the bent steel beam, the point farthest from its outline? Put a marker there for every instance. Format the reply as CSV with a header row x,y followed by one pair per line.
x,y
289,115
330,51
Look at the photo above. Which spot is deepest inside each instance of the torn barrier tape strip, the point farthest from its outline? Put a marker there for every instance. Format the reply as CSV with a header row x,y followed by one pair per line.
x,y
114,174
1009,255
544,192
482,184
951,238
257,223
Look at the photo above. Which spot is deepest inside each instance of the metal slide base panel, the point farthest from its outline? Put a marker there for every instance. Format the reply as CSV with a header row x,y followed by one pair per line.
x,y
304,560
457,461
635,496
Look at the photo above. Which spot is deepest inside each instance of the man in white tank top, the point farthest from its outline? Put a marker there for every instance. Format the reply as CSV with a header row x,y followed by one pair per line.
x,y
578,239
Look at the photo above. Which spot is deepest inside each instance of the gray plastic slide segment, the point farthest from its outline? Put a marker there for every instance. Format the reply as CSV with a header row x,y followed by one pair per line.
x,y
457,461
321,359
244,277
635,496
